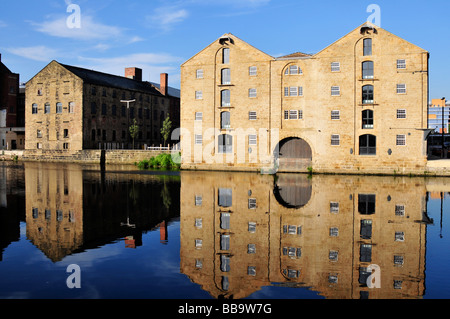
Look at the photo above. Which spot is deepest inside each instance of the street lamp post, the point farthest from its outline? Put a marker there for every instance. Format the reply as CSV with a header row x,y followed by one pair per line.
x,y
443,132
128,118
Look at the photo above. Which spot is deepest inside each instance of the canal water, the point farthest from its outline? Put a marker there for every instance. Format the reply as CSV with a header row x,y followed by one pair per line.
x,y
75,231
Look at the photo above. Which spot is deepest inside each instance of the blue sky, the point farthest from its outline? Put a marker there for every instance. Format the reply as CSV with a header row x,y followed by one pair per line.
x,y
159,35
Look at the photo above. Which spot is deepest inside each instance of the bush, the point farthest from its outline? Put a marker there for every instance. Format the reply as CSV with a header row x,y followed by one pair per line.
x,y
164,161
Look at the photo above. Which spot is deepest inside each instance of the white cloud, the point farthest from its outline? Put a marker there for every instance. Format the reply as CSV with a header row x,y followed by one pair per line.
x,y
166,17
89,29
37,53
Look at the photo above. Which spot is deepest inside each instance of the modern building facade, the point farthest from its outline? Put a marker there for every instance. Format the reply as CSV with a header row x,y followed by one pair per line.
x,y
439,115
360,105
12,106
71,108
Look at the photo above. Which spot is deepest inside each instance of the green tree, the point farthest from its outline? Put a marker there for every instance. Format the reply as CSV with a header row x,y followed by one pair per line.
x,y
134,130
165,130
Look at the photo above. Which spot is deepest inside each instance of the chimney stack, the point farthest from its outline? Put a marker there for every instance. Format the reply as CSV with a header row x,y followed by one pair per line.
x,y
134,73
164,85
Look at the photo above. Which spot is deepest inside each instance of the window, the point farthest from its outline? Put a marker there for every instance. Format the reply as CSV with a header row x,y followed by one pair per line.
x,y
199,74
34,108
293,70
66,133
93,108
225,98
335,91
198,95
335,66
367,145
93,90
226,76
401,140
47,108
39,134
293,91
335,140
401,88
253,71
251,227
198,116
366,229
335,115
252,115
225,221
334,207
366,204
399,236
66,146
39,146
401,64
365,253
71,107
225,144
103,109
251,249
252,93
334,232
367,94
367,119
252,203
292,230
400,210
401,114
252,139
367,70
198,200
114,110
225,120
225,197
226,56
198,139
300,114
367,47
198,223
293,114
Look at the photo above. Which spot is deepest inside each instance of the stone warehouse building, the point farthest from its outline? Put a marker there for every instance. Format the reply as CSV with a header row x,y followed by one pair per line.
x,y
71,109
358,105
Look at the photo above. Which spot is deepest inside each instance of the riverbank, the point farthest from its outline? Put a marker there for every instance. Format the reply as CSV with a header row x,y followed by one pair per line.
x,y
433,168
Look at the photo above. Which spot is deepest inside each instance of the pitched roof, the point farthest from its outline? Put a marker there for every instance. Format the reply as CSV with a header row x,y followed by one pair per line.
x,y
295,55
110,80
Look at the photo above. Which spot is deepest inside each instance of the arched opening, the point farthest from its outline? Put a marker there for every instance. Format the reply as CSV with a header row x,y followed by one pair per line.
x,y
294,155
292,191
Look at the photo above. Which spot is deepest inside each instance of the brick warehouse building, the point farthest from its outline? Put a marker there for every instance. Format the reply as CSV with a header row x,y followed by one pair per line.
x,y
359,105
71,108
12,104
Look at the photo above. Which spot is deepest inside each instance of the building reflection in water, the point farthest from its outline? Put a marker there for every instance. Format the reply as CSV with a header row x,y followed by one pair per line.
x,y
240,232
70,209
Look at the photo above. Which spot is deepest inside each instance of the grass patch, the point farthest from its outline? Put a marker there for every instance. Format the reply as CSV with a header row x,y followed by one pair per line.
x,y
161,161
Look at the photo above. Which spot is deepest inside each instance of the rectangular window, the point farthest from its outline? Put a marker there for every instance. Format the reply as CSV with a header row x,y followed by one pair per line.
x,y
334,207
251,227
226,76
198,139
199,74
198,223
198,116
335,66
93,108
401,64
198,200
71,107
401,88
286,115
335,140
367,47
39,134
335,115
253,71
335,90
66,133
293,91
401,140
225,221
198,95
226,56
252,203
252,115
47,108
400,210
300,114
252,140
66,146
225,197
252,93
401,114
293,115
34,109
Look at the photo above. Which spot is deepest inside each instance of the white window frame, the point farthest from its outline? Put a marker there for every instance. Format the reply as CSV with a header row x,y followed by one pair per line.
x,y
252,203
335,140
198,139
198,95
335,66
252,93
253,71
401,88
252,115
293,115
199,116
199,74
335,91
198,200
335,115
401,140
252,139
300,114
401,114
401,64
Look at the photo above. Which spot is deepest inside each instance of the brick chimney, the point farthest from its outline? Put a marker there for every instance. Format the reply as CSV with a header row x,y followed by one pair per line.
x,y
134,73
164,83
